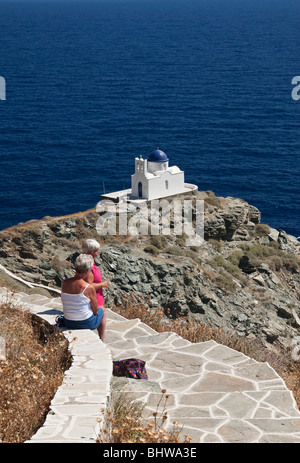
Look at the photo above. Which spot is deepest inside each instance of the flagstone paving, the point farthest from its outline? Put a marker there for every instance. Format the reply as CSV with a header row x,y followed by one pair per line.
x,y
217,394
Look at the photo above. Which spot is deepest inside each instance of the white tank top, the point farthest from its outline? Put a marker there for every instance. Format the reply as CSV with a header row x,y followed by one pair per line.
x,y
76,306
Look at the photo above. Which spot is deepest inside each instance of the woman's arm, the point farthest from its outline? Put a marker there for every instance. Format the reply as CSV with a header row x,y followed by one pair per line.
x,y
90,279
90,292
103,284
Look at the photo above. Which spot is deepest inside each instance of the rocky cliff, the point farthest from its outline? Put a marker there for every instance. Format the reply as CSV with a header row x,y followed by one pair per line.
x,y
245,276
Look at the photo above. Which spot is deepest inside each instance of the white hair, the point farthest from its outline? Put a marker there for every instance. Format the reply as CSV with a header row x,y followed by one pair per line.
x,y
90,246
83,263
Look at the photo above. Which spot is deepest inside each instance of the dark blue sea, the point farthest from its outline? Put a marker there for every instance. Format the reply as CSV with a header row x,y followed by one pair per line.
x,y
90,85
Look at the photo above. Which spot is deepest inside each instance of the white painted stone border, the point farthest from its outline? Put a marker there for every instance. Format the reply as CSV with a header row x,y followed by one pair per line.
x,y
27,283
77,410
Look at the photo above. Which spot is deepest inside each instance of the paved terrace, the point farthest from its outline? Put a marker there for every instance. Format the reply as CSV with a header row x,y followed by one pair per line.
x,y
216,393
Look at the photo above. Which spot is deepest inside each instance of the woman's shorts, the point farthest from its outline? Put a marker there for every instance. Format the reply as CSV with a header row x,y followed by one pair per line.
x,y
91,323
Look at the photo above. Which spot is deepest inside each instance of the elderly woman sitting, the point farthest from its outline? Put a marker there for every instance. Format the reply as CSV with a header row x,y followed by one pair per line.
x,y
80,306
91,247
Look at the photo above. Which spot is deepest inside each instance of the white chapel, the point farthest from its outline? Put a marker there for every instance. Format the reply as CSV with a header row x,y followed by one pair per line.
x,y
154,178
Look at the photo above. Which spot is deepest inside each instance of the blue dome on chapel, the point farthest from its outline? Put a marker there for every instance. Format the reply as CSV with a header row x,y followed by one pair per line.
x,y
158,156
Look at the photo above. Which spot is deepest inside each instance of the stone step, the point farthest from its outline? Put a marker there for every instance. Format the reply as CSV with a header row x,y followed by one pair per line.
x,y
232,417
143,347
216,393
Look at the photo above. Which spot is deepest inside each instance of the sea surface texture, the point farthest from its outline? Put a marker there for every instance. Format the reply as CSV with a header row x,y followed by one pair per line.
x,y
90,85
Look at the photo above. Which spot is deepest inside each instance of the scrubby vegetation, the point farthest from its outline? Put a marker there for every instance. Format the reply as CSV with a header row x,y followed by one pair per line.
x,y
125,423
35,358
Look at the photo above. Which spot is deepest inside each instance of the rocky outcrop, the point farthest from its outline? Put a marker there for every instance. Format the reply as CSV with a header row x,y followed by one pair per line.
x,y
245,276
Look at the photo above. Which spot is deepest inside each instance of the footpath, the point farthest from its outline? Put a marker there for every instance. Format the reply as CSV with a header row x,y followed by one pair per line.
x,y
218,394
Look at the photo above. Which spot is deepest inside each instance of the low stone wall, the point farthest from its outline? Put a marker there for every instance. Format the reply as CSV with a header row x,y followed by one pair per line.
x,y
77,410
78,407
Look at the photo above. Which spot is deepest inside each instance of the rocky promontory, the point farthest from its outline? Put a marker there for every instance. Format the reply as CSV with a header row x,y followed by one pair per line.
x,y
245,276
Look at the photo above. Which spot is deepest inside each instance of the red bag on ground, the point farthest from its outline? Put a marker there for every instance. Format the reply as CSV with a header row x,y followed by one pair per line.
x,y
131,368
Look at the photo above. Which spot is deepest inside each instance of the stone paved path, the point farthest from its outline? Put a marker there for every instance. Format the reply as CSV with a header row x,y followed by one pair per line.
x,y
216,393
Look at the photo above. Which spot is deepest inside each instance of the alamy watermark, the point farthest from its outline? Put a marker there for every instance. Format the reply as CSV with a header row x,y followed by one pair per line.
x,y
2,348
296,90
155,217
2,88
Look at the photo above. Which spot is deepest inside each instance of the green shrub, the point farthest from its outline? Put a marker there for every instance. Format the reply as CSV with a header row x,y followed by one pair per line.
x,y
276,258
224,281
158,241
291,262
230,267
217,244
152,250
260,250
261,229
235,257
275,263
175,251
212,200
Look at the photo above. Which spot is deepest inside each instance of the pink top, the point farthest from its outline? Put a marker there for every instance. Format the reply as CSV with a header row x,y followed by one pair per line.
x,y
98,279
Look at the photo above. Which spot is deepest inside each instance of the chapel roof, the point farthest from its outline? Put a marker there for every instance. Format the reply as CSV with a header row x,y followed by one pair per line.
x,y
157,156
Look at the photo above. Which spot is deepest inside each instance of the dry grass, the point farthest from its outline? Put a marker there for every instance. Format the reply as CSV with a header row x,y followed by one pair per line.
x,y
36,356
125,424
